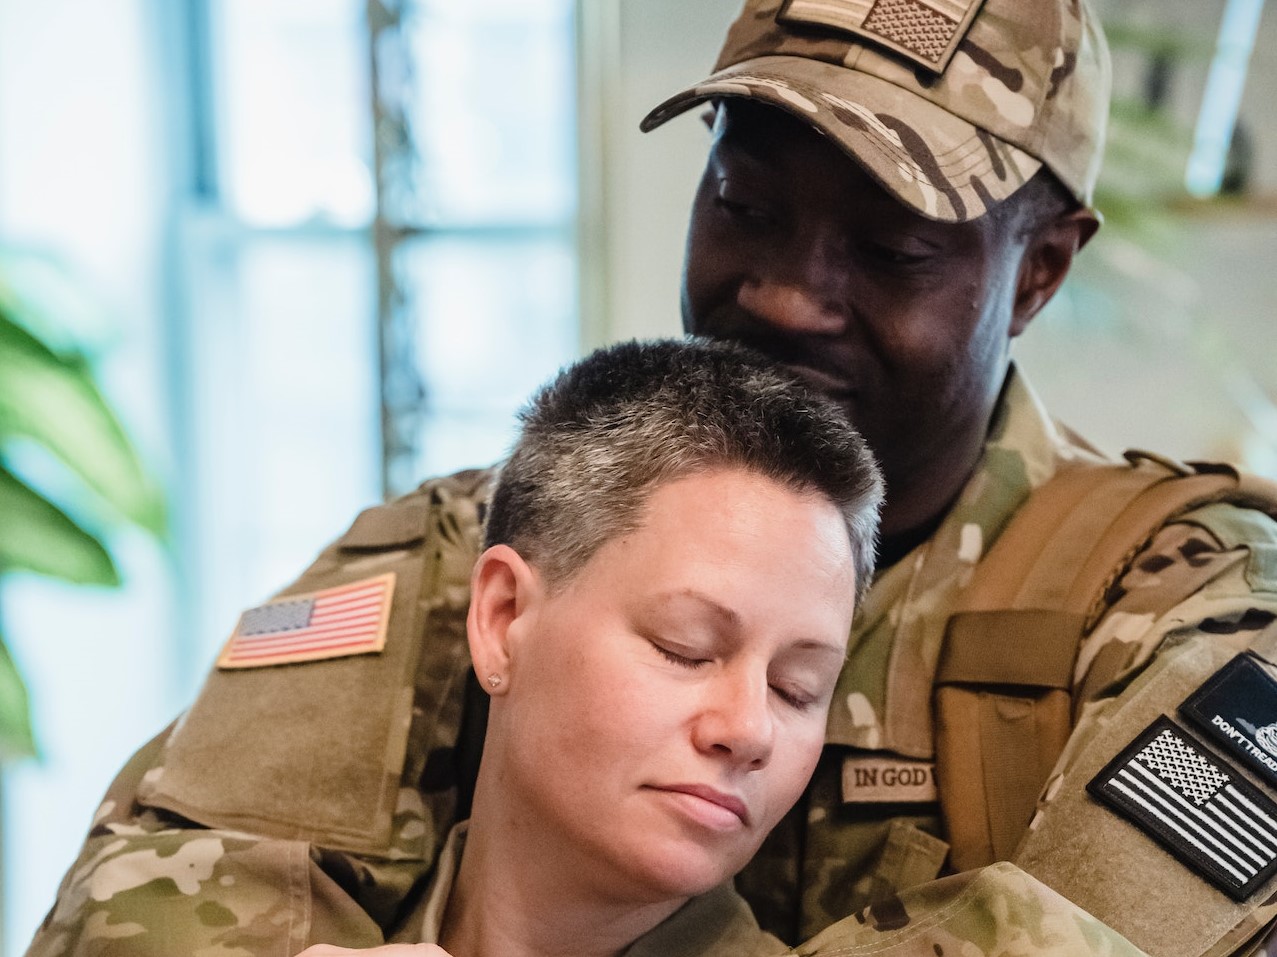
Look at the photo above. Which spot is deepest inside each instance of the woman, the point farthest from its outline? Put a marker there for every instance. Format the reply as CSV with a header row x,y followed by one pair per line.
x,y
659,619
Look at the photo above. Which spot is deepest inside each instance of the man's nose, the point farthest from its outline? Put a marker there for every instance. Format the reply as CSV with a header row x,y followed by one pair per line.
x,y
737,720
803,293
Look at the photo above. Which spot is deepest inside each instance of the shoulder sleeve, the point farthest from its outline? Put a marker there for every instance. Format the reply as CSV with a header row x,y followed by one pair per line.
x,y
197,891
1197,597
990,912
306,798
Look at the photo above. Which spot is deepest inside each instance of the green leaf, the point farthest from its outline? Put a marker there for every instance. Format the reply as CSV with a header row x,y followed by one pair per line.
x,y
1178,45
16,737
39,293
53,399
39,537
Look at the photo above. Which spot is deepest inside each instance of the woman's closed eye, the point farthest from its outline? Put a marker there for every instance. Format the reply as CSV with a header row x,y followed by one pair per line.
x,y
679,655
808,680
797,698
794,694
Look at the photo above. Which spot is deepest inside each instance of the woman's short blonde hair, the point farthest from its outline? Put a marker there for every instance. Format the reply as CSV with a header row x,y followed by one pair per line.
x,y
607,431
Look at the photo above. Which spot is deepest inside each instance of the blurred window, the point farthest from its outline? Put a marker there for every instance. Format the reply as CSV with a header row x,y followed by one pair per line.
x,y
282,273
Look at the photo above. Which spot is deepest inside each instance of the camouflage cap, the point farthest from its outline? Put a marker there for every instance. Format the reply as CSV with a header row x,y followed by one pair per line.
x,y
950,104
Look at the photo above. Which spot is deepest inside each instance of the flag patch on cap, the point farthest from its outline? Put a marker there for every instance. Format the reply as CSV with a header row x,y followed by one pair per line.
x,y
1194,804
926,31
336,622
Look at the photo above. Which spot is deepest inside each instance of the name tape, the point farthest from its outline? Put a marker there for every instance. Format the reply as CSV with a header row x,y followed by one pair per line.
x,y
874,779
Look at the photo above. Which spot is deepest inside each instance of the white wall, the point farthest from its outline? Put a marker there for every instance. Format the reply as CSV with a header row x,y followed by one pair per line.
x,y
661,46
1168,347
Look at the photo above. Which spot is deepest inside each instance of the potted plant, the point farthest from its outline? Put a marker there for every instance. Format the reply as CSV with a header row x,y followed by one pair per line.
x,y
57,432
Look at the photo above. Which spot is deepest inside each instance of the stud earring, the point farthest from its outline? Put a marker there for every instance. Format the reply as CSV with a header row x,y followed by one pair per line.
x,y
494,681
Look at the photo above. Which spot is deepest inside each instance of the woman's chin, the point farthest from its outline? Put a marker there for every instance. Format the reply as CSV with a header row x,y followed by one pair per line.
x,y
679,871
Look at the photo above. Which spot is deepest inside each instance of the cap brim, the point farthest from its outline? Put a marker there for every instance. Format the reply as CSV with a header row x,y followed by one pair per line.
x,y
940,165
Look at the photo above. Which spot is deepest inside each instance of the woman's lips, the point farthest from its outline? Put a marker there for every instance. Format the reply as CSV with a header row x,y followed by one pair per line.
x,y
708,806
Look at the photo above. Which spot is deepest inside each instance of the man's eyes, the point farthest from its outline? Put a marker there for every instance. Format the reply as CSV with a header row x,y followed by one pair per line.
x,y
742,211
747,208
740,204
892,255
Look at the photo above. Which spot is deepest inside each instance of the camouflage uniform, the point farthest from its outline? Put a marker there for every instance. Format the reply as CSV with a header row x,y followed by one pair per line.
x,y
852,851
715,924
308,802
279,813
998,911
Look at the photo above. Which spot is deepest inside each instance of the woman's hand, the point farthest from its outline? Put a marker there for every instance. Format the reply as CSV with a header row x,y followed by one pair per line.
x,y
386,950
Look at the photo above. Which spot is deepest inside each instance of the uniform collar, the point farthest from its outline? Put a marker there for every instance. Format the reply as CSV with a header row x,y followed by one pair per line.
x,y
440,888
897,636
715,924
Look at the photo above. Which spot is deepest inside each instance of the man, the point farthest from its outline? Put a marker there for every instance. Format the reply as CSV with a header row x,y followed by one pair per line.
x,y
893,192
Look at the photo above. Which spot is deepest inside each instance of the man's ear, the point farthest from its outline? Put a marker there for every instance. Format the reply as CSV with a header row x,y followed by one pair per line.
x,y
1048,255
505,592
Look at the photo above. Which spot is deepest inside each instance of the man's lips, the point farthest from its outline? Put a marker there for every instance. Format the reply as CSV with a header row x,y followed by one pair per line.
x,y
806,359
827,383
710,806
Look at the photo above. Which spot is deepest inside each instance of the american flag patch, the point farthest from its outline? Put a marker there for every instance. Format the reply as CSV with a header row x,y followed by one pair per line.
x,y
1196,805
344,620
926,31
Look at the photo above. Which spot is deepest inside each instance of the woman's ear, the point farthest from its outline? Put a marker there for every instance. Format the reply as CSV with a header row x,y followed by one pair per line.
x,y
505,593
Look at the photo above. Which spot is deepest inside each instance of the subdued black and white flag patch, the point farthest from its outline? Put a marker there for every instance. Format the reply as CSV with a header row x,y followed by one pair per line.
x,y
1196,805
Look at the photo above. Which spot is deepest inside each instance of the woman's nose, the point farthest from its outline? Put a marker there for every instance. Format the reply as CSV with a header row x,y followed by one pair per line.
x,y
738,721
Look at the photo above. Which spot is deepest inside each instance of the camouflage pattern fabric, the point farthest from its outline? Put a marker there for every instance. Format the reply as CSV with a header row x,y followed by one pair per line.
x,y
950,120
168,870
832,857
155,880
1139,663
997,911
715,924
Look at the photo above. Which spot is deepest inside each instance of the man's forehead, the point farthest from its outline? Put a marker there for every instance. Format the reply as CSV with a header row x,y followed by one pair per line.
x,y
953,112
772,141
765,131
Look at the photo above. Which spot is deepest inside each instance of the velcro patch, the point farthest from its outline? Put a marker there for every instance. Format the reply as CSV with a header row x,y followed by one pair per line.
x,y
1194,804
336,622
927,32
874,779
1237,706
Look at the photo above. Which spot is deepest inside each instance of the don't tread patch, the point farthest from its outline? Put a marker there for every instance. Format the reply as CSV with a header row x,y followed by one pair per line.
x,y
336,622
1237,706
874,779
1194,804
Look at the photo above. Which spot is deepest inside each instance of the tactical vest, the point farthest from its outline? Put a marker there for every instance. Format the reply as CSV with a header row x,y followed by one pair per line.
x,y
1002,717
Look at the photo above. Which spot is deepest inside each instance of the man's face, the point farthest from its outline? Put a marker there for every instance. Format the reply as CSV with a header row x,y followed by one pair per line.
x,y
667,707
907,322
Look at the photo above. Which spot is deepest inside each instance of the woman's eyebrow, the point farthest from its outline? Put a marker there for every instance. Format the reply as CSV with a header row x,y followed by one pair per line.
x,y
725,616
815,644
